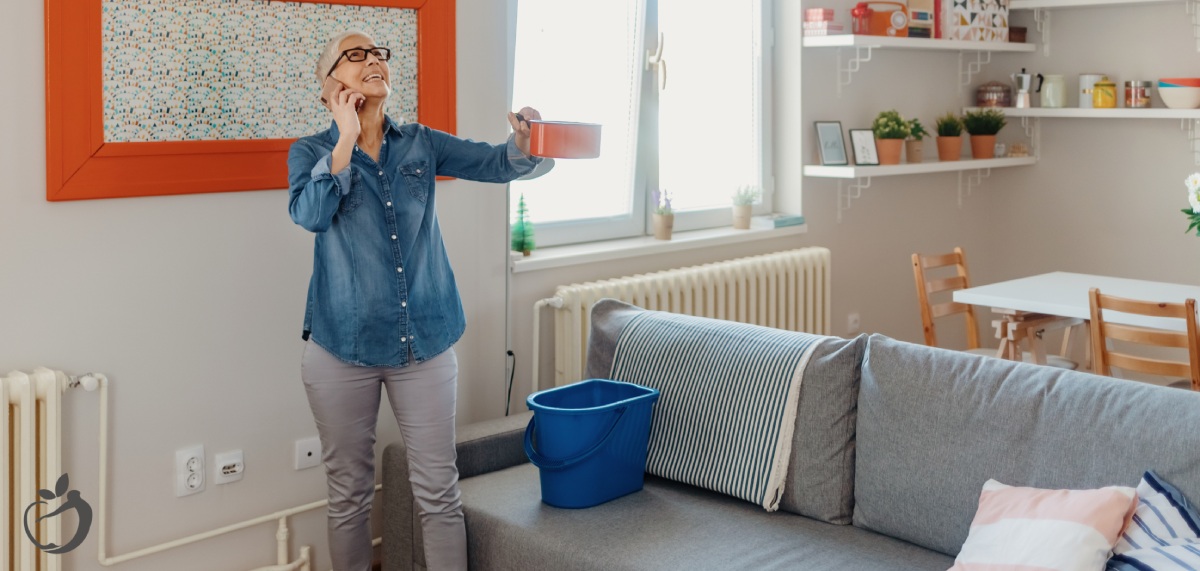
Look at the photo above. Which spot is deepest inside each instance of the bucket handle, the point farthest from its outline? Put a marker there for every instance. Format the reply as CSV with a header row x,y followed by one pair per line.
x,y
549,464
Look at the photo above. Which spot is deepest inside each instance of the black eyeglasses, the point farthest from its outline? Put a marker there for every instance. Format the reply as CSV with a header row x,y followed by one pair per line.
x,y
360,54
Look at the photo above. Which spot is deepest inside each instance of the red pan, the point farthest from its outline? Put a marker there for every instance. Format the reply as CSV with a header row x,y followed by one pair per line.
x,y
563,139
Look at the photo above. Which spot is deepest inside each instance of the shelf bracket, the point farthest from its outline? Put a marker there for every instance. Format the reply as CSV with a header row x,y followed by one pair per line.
x,y
846,73
967,69
974,179
1192,128
851,192
1041,16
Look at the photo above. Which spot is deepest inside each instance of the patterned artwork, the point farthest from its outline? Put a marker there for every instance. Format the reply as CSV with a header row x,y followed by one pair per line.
x,y
977,20
180,70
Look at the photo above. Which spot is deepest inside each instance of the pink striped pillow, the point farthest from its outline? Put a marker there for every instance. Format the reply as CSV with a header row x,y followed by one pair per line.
x,y
1030,529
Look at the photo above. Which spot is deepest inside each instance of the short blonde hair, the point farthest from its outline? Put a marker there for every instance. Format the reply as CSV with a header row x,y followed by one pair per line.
x,y
332,52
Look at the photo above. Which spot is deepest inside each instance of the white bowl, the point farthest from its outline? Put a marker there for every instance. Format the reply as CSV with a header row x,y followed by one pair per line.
x,y
1180,97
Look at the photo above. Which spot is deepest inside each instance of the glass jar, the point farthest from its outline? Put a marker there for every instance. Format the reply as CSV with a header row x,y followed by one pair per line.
x,y
1137,94
1104,94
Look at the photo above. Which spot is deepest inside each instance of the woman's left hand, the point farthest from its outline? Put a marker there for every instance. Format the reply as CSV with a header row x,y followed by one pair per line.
x,y
521,128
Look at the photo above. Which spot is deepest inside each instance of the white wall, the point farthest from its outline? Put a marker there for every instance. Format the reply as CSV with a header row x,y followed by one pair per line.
x,y
193,307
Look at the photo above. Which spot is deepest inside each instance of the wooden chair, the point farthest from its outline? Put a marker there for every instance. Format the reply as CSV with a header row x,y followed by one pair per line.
x,y
930,311
1104,359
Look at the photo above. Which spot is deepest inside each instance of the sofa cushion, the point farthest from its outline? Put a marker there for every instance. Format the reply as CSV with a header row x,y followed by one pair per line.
x,y
667,525
1163,514
1031,528
1164,533
820,476
934,425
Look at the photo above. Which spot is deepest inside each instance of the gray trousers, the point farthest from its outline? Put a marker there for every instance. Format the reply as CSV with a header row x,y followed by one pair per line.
x,y
345,403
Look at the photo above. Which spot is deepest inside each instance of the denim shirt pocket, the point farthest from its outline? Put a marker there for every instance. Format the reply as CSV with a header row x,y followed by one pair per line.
x,y
416,178
354,197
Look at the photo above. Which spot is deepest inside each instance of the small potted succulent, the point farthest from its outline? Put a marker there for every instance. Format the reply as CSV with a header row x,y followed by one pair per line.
x,y
890,131
743,201
914,150
983,124
664,216
949,137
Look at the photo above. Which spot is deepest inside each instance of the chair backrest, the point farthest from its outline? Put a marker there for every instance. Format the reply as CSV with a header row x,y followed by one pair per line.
x,y
1104,358
927,286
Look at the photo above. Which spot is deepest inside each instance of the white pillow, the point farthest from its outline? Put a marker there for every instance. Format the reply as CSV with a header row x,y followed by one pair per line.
x,y
1060,530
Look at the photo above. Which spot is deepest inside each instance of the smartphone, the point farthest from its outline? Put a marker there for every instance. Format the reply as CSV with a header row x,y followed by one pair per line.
x,y
330,87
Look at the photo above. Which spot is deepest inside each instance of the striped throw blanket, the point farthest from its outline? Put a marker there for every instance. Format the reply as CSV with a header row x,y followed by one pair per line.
x,y
729,394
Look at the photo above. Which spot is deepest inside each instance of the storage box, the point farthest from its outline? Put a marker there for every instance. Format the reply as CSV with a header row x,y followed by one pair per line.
x,y
975,20
818,14
921,18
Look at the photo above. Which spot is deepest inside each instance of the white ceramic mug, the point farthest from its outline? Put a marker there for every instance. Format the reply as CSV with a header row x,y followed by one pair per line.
x,y
1086,82
1054,91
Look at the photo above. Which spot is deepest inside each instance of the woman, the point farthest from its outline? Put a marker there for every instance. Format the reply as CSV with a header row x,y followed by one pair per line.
x,y
383,307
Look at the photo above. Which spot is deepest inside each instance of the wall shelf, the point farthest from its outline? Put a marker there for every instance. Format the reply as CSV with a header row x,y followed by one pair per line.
x,y
858,171
863,45
1079,113
1189,119
888,42
1041,12
861,175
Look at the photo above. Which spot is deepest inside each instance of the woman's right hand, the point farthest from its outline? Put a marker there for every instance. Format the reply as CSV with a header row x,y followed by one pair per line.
x,y
344,105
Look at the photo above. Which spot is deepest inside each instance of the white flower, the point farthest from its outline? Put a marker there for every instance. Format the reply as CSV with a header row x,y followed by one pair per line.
x,y
1194,198
1193,182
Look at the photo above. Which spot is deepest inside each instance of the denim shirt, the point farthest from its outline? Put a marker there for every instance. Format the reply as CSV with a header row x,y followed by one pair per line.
x,y
381,282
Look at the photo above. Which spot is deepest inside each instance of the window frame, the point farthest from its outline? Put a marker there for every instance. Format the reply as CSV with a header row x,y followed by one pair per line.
x,y
639,222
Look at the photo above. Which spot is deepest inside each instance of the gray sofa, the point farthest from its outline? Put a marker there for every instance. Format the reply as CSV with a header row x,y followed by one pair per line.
x,y
893,443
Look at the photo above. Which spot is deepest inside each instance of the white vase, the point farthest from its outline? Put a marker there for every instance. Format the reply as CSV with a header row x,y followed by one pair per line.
x,y
741,216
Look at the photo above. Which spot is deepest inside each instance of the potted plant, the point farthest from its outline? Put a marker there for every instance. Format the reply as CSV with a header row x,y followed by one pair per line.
x,y
522,230
743,201
914,150
983,124
949,137
664,216
890,131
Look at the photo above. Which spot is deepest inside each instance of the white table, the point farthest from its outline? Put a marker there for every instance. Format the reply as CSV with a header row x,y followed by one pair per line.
x,y
1061,299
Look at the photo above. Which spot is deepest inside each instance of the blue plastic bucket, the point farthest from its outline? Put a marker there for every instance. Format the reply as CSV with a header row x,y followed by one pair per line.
x,y
589,440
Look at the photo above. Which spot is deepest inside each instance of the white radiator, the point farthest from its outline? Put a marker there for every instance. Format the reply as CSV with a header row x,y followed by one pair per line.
x,y
30,460
786,290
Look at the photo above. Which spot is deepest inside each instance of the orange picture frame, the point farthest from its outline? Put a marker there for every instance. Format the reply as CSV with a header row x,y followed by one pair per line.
x,y
80,165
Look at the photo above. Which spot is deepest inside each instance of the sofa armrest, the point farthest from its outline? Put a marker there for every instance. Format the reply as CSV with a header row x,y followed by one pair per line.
x,y
482,447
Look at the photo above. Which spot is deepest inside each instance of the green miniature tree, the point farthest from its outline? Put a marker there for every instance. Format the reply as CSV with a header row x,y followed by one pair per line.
x,y
522,230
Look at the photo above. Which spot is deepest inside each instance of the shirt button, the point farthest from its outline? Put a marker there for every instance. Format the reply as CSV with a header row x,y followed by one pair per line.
x,y
403,339
399,269
404,304
380,173
393,236
389,204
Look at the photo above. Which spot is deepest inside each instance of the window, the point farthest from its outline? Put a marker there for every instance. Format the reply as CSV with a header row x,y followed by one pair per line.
x,y
695,125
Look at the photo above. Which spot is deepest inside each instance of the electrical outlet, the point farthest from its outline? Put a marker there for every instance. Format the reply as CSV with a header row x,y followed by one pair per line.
x,y
853,324
308,453
228,467
189,471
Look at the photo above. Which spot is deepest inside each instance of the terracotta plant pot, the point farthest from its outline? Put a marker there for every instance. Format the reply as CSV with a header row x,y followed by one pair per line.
x,y
983,146
663,225
949,148
914,151
741,216
889,150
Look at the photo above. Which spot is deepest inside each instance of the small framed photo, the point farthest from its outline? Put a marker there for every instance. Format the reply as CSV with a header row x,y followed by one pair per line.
x,y
829,139
863,142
